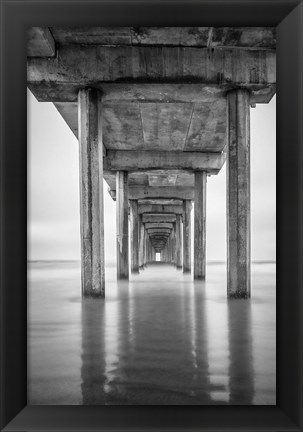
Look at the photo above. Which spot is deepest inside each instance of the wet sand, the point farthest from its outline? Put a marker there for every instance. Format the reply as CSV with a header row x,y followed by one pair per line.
x,y
159,339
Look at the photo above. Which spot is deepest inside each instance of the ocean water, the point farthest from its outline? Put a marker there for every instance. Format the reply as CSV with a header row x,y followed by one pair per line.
x,y
159,339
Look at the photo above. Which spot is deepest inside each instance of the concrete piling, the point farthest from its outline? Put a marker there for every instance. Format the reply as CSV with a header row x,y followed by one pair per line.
x,y
122,224
91,194
200,225
238,194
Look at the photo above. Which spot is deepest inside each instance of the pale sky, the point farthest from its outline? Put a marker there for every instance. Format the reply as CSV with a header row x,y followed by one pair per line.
x,y
53,190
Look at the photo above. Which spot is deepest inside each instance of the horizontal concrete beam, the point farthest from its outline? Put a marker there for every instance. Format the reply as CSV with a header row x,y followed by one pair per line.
x,y
154,208
160,202
158,230
248,37
94,63
158,217
129,160
111,92
150,225
174,192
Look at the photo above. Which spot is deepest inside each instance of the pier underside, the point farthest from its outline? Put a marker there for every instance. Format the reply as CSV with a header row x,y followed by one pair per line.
x,y
156,112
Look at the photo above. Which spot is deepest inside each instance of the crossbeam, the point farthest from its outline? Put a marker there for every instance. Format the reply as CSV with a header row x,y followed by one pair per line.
x,y
131,160
153,65
149,225
158,217
160,209
175,192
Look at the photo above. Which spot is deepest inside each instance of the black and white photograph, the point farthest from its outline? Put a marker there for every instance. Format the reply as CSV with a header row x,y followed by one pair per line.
x,y
151,155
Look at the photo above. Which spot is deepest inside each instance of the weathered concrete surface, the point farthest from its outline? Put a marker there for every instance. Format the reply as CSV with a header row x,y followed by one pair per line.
x,y
163,179
168,202
187,236
146,92
158,208
92,35
147,160
178,242
158,230
200,225
139,192
139,185
134,238
250,37
158,217
91,194
149,225
122,225
40,42
97,63
238,195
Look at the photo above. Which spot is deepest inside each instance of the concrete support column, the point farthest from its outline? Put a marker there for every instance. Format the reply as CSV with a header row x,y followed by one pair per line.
x,y
141,243
200,225
144,247
163,254
170,249
148,248
187,236
238,194
150,251
178,242
134,238
91,193
174,245
122,224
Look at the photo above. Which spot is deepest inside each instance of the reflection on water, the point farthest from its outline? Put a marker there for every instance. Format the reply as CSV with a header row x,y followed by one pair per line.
x,y
159,339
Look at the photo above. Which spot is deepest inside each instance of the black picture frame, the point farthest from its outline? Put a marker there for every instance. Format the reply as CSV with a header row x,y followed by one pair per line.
x,y
16,16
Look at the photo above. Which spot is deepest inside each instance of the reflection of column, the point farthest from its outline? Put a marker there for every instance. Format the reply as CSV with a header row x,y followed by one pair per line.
x,y
91,194
178,242
121,332
186,236
200,225
122,224
241,368
134,239
93,355
218,351
193,319
238,194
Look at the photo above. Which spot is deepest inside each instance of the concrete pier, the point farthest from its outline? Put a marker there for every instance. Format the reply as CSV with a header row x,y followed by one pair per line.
x,y
172,114
122,224
200,225
91,194
238,194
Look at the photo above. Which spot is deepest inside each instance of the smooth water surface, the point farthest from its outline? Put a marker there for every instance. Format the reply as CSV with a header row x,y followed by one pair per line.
x,y
159,339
